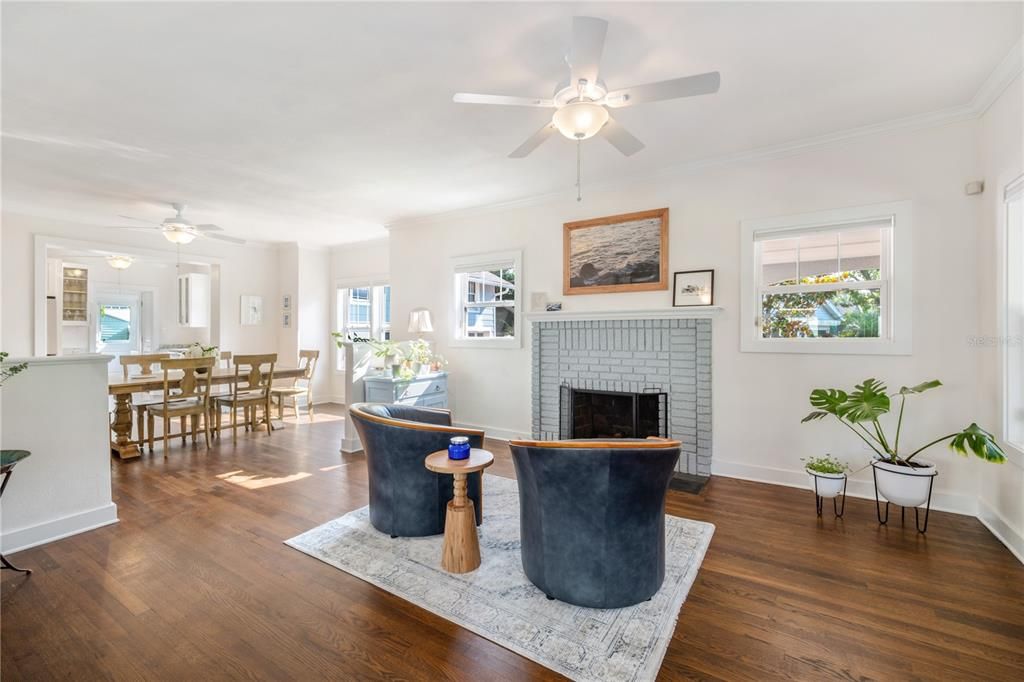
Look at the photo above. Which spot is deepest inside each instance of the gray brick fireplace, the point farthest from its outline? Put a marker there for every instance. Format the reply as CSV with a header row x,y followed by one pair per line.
x,y
632,356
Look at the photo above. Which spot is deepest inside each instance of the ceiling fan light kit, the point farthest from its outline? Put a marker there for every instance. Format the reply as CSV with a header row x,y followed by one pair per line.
x,y
580,120
179,230
119,262
178,235
581,105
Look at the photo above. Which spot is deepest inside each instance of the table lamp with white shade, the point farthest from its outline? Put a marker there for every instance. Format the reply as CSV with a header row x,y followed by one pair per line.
x,y
419,322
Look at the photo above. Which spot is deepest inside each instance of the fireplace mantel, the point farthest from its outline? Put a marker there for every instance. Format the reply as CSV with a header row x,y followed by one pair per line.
x,y
704,311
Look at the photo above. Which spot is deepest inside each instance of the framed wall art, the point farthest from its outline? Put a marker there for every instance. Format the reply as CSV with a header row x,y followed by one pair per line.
x,y
693,288
618,253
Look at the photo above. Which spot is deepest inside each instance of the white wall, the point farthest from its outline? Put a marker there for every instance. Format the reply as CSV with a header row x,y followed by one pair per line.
x,y
250,269
313,315
63,488
287,283
350,265
758,399
1001,152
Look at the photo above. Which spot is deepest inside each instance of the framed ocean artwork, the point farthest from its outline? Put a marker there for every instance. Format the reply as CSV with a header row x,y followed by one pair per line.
x,y
618,253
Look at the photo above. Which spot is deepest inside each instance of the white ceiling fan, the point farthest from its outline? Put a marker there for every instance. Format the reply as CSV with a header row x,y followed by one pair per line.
x,y
179,230
581,104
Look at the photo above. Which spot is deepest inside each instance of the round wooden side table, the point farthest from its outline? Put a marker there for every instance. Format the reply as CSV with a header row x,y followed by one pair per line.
x,y
461,552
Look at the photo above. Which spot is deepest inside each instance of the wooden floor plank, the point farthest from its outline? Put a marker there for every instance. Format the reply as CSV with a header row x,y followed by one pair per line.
x,y
195,583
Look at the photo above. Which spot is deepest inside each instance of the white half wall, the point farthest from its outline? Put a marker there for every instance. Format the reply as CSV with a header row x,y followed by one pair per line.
x,y
57,409
758,398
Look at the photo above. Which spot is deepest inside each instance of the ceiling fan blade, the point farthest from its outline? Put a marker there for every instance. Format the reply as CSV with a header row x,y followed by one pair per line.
x,y
533,141
687,86
620,138
209,228
504,100
587,45
141,220
132,227
224,238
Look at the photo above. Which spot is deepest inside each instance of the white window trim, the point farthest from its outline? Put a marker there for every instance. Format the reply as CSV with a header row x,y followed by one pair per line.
x,y
1008,185
899,318
486,261
349,283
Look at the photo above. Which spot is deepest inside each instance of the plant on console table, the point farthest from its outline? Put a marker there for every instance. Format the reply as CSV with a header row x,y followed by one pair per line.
x,y
899,477
418,356
388,351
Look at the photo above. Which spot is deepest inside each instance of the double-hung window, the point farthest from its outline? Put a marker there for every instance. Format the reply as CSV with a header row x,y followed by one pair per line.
x,y
364,312
830,282
1013,316
487,291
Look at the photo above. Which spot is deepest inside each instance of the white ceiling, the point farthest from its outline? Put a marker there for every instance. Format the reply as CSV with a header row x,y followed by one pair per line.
x,y
321,122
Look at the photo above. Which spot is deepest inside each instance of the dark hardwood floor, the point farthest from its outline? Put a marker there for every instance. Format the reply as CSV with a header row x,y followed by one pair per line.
x,y
195,583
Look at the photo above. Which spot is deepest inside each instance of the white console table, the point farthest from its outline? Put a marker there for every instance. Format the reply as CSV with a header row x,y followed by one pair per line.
x,y
426,390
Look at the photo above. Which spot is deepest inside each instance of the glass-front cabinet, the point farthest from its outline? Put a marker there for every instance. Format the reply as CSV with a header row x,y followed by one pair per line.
x,y
75,296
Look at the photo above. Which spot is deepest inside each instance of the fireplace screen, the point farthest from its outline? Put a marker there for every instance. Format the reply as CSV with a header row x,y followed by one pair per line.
x,y
612,414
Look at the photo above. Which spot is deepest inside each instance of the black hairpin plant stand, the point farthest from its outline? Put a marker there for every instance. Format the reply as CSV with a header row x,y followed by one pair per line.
x,y
883,520
836,507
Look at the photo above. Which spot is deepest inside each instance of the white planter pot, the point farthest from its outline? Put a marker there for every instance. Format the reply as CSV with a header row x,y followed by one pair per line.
x,y
828,485
905,486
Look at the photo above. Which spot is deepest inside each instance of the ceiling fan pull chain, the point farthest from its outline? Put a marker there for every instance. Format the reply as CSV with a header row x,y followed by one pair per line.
x,y
579,170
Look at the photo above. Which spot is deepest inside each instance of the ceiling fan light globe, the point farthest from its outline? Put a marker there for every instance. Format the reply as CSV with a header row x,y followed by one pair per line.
x,y
119,262
580,120
178,236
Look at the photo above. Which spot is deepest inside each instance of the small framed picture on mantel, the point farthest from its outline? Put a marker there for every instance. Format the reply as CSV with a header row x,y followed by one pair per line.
x,y
693,288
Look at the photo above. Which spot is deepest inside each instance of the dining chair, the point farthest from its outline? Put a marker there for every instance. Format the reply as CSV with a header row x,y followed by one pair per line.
x,y
301,386
250,389
223,362
141,401
186,397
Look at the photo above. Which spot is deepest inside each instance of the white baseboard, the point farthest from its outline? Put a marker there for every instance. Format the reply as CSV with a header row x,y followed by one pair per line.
x,y
494,432
42,533
865,489
999,527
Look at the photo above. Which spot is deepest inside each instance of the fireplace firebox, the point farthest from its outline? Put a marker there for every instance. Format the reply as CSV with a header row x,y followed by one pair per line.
x,y
612,414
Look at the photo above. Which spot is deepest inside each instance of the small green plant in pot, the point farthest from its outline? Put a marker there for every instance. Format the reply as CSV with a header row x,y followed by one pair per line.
x,y
900,477
828,480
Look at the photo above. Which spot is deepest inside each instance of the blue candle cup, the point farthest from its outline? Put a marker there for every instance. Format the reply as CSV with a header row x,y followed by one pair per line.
x,y
458,448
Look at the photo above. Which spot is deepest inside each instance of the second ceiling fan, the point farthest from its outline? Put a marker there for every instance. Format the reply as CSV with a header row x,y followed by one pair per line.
x,y
581,104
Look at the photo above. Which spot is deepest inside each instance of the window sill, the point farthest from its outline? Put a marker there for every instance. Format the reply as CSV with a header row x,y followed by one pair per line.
x,y
827,346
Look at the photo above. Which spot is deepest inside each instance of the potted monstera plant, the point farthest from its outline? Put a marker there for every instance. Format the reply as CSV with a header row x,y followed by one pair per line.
x,y
900,477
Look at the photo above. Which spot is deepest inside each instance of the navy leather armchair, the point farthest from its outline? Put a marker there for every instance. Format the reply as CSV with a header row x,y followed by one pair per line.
x,y
592,517
407,500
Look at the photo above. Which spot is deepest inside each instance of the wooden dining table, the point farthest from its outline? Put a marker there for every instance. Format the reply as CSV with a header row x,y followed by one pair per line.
x,y
121,442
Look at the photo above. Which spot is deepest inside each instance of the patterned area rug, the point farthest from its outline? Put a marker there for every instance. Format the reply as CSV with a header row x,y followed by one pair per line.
x,y
498,602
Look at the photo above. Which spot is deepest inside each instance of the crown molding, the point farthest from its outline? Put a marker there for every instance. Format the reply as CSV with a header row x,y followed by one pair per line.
x,y
1000,79
994,86
792,148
